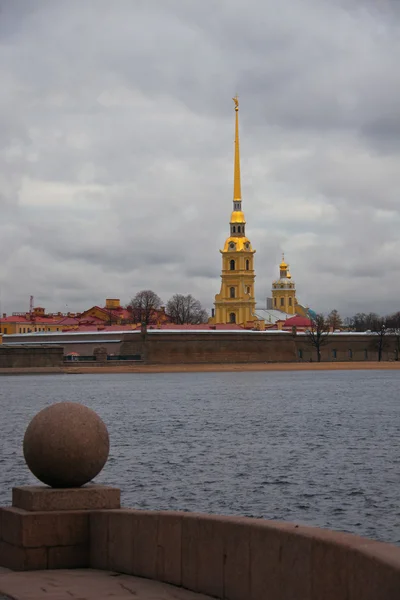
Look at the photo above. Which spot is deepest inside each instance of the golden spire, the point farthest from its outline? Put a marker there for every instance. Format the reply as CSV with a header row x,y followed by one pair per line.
x,y
237,192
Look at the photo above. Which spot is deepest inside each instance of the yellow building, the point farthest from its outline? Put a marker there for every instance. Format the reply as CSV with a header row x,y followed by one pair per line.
x,y
284,292
35,321
236,301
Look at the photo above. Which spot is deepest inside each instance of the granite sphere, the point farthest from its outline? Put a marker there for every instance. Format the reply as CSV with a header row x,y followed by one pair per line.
x,y
66,445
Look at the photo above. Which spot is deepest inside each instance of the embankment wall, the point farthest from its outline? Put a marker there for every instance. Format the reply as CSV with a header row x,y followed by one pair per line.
x,y
14,357
242,558
232,558
170,348
342,347
162,347
249,347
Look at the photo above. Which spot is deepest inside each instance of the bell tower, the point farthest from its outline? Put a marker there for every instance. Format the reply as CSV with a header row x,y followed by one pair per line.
x,y
284,290
236,301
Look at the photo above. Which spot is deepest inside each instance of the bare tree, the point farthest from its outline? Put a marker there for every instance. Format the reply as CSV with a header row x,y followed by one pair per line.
x,y
335,320
318,332
362,321
380,328
143,307
186,309
393,324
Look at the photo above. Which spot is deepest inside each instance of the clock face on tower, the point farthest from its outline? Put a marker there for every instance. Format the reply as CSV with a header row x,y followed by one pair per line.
x,y
232,246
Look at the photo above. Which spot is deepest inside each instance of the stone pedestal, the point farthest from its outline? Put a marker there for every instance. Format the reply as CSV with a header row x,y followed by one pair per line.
x,y
48,528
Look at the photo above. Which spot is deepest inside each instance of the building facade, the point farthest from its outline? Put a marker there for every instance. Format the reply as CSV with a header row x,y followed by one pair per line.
x,y
236,302
284,290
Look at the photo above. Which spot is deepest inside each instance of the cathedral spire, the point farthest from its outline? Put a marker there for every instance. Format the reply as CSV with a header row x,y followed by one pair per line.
x,y
236,301
237,192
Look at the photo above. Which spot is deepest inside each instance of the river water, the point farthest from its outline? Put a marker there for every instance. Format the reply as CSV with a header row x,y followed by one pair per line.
x,y
320,448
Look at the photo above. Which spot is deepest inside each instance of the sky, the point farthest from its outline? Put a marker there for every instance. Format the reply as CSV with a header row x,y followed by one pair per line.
x,y
116,148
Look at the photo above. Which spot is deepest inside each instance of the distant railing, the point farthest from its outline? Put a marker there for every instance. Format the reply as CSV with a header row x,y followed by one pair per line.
x,y
75,358
124,357
91,358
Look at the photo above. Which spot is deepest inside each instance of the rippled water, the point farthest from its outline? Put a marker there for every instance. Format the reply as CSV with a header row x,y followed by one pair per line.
x,y
315,447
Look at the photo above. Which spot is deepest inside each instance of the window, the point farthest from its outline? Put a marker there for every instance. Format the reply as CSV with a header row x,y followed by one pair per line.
x,y
334,354
24,329
20,329
234,229
248,289
232,318
232,265
290,301
300,353
247,264
350,353
365,354
238,228
5,330
274,301
282,301
232,292
35,328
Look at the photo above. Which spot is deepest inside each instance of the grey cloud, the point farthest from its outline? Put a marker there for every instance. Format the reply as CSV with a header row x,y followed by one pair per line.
x,y
116,131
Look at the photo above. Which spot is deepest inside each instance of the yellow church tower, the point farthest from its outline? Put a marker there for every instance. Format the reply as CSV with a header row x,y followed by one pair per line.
x,y
236,301
284,290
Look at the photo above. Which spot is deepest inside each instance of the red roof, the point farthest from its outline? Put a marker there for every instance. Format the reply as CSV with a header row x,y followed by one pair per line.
x,y
199,326
44,320
164,326
297,321
68,321
14,319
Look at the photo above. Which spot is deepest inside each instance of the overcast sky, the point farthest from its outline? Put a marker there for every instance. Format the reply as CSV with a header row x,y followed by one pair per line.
x,y
116,148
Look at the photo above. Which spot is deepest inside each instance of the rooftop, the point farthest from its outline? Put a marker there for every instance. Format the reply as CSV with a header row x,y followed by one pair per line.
x,y
297,321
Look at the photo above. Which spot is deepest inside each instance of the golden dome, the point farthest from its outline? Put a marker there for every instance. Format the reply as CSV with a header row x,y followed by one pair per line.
x,y
237,244
283,266
237,217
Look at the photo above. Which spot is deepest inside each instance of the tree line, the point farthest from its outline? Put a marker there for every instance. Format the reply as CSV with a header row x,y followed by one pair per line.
x,y
321,326
181,309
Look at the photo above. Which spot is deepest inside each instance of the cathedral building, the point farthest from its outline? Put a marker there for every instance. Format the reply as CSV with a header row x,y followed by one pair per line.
x,y
236,301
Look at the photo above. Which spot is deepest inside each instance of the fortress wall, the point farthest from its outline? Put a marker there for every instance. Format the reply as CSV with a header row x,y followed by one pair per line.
x,y
190,347
248,347
170,348
30,356
347,347
242,558
87,349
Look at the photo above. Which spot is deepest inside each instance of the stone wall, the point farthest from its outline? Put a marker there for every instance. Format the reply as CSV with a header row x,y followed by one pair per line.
x,y
84,344
252,347
242,558
343,347
232,558
171,348
13,357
